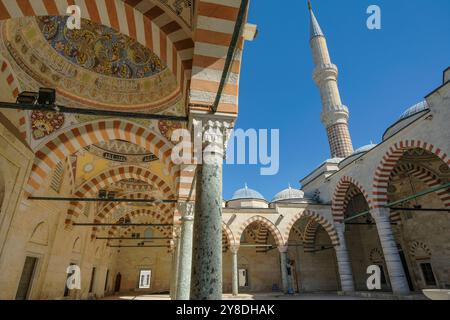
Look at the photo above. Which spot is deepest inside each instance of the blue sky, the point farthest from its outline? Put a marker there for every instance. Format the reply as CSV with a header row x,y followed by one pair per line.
x,y
382,73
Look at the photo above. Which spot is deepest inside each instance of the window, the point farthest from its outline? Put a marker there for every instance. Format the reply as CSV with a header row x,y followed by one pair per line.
x,y
26,280
243,278
91,285
106,280
144,279
428,274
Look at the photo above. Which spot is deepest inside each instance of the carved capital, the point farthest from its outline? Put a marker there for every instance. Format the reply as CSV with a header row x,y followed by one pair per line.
x,y
234,249
187,210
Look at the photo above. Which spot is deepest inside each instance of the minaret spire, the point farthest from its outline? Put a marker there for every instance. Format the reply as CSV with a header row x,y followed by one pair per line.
x,y
334,114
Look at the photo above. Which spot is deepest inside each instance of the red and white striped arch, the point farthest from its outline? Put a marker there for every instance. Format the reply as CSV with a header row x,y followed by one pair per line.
x,y
327,225
228,234
122,16
72,140
427,177
13,84
165,211
309,238
265,222
390,160
111,176
216,20
341,197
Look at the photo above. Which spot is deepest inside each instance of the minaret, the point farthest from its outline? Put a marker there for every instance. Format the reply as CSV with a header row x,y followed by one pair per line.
x,y
334,114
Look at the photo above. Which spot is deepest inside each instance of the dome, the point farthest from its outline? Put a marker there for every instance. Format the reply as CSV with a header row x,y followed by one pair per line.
x,y
247,193
365,148
288,194
414,109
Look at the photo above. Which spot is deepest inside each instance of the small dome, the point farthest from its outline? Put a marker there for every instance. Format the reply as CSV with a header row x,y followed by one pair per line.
x,y
247,193
415,109
288,194
365,148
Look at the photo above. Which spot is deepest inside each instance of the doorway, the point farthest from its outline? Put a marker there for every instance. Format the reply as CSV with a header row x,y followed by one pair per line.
x,y
26,279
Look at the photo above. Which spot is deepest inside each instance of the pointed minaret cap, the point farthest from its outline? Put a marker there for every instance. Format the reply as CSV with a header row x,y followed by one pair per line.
x,y
315,30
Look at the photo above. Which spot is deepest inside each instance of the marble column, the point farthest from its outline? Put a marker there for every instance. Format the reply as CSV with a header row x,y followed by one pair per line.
x,y
234,270
283,264
343,261
185,256
206,281
175,262
394,265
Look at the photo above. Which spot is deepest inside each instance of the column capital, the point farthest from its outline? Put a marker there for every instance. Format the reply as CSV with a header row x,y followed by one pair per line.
x,y
234,248
283,249
213,131
187,210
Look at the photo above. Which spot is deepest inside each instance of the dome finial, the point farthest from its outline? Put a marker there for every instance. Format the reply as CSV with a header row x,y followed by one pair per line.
x,y
289,185
246,186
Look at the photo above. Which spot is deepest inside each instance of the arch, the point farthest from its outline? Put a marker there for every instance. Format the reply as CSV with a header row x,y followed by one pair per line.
x,y
111,176
309,238
40,234
327,225
229,234
267,223
419,250
424,175
388,162
134,24
70,141
110,206
341,199
155,214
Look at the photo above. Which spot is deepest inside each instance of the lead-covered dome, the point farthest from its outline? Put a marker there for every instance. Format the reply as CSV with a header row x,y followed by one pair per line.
x,y
289,194
423,105
247,193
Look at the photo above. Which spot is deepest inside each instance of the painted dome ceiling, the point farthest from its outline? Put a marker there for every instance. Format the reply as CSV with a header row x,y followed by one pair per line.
x,y
91,67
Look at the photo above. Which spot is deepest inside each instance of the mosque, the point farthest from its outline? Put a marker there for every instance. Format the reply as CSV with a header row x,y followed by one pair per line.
x,y
87,181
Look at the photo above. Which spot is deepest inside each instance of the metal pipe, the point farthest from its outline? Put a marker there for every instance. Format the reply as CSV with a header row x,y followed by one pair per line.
x,y
391,204
420,209
122,225
230,53
94,112
101,200
129,238
139,246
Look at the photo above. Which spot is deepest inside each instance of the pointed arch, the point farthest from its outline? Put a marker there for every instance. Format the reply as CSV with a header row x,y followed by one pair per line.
x,y
40,234
72,140
341,197
327,225
388,162
267,223
110,176
228,234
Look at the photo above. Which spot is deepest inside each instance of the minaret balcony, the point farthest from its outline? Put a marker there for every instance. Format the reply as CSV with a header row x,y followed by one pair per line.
x,y
325,71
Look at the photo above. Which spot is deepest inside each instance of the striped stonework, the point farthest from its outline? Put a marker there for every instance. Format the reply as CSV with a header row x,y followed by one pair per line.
x,y
185,183
227,236
261,238
424,175
123,16
216,20
341,197
72,140
13,84
111,176
309,239
389,162
327,225
266,223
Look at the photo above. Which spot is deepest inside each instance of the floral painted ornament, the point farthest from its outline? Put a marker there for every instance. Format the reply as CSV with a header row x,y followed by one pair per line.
x,y
44,123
